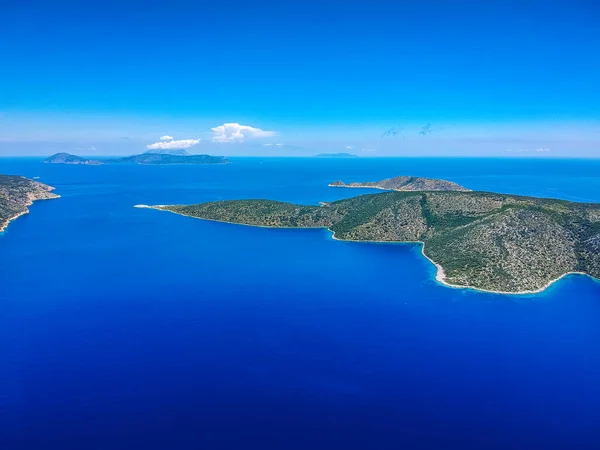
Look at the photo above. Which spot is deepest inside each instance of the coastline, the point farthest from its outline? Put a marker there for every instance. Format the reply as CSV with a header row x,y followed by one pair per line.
x,y
5,225
157,208
440,275
363,187
391,190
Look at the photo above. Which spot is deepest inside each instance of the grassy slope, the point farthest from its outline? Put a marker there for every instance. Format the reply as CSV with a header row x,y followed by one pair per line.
x,y
16,193
485,240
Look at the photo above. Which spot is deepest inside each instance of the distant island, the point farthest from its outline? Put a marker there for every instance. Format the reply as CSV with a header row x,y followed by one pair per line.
x,y
16,194
155,157
480,240
336,155
168,158
405,183
67,158
176,152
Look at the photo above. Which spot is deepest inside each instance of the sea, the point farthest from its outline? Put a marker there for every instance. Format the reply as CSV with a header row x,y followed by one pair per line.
x,y
126,328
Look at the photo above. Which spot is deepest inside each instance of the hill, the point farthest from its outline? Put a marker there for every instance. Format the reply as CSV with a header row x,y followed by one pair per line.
x,y
176,152
67,158
483,240
153,157
168,158
404,183
16,194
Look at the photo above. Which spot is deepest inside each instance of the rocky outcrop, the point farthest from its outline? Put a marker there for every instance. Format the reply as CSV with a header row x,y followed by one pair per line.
x,y
17,193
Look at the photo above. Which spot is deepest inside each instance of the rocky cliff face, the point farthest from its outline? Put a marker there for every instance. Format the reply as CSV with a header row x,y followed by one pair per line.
x,y
17,193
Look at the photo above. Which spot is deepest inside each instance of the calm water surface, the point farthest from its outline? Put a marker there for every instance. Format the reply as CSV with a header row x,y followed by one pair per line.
x,y
124,328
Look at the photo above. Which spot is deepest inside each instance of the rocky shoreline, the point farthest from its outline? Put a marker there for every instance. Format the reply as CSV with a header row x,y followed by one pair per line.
x,y
479,240
17,194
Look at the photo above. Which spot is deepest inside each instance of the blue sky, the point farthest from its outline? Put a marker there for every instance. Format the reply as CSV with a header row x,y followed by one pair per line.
x,y
483,78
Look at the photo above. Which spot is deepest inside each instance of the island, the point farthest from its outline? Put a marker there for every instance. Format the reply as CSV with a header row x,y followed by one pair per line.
x,y
176,152
480,240
16,194
148,158
336,155
405,183
67,158
169,158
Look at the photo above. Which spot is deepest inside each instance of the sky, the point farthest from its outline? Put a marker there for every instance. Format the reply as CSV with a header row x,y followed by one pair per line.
x,y
288,78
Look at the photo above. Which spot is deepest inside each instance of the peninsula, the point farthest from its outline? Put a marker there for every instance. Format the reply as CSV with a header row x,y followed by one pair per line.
x,y
481,240
67,158
16,194
404,183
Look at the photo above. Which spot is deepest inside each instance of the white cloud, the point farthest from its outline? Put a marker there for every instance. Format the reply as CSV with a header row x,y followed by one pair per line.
x,y
269,144
349,147
368,149
166,138
173,145
540,150
234,132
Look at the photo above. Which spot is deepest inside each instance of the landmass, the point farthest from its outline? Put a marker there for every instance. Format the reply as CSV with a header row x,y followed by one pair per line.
x,y
169,158
176,152
67,158
486,241
16,194
336,155
154,157
404,183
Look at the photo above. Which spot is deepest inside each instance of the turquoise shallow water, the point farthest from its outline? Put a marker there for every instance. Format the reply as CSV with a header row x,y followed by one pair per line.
x,y
126,328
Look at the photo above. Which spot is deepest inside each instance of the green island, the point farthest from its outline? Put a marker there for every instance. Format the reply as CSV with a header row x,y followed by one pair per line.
x,y
17,193
481,240
148,158
153,158
404,183
67,158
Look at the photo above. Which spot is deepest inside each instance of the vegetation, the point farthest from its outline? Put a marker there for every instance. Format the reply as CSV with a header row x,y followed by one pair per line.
x,y
405,183
156,158
483,240
169,158
16,194
265,213
67,158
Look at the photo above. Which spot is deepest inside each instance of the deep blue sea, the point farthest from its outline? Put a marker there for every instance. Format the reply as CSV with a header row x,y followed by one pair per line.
x,y
125,328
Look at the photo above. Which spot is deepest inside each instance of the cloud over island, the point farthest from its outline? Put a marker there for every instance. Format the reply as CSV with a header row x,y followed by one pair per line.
x,y
168,143
234,132
228,132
